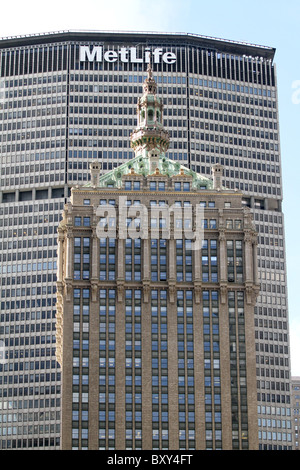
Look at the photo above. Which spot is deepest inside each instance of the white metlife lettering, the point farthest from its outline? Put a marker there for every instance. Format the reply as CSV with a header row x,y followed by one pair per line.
x,y
125,54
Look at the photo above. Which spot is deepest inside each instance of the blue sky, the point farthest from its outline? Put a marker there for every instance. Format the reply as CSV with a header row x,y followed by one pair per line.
x,y
269,22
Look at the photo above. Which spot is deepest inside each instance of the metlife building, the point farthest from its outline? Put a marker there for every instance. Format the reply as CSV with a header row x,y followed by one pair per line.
x,y
69,98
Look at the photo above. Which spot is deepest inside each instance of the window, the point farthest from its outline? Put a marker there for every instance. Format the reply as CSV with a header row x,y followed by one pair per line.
x,y
235,267
158,260
81,258
150,114
185,376
159,361
209,261
238,224
133,259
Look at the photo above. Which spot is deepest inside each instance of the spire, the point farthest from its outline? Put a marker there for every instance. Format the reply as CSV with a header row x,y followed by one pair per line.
x,y
150,84
150,137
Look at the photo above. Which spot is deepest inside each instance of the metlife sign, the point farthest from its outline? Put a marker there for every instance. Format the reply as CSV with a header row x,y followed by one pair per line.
x,y
126,54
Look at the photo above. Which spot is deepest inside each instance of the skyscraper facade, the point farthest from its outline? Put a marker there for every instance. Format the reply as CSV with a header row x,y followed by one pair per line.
x,y
69,98
157,283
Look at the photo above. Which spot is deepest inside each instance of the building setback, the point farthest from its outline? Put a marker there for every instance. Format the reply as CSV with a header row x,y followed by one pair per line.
x,y
156,326
68,99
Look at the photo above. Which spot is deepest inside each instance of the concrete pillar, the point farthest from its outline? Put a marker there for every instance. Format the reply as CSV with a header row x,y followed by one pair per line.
x,y
95,255
60,242
199,375
146,377
93,439
146,259
225,373
172,375
69,259
248,258
222,257
255,263
251,377
120,374
172,260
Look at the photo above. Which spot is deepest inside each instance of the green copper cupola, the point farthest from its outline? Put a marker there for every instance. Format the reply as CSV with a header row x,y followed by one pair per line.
x,y
150,139
150,142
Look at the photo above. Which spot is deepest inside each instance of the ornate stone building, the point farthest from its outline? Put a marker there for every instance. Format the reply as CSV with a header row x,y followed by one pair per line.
x,y
157,283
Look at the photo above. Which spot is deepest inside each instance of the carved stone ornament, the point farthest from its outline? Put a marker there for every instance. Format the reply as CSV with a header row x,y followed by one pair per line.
x,y
172,291
120,291
223,292
146,291
94,286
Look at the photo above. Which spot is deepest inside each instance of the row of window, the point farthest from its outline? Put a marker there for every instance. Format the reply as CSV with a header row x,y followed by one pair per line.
x,y
24,124
156,186
7,257
27,291
163,203
125,78
159,355
24,113
29,303
28,267
35,80
169,111
30,243
238,366
27,103
21,91
27,232
275,436
158,260
162,223
139,78
15,170
40,278
186,391
34,145
29,443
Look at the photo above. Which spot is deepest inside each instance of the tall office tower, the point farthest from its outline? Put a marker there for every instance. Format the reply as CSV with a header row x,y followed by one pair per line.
x,y
69,98
157,284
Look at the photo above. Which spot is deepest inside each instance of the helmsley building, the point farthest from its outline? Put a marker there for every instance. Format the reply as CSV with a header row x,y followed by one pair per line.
x,y
157,284
68,99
